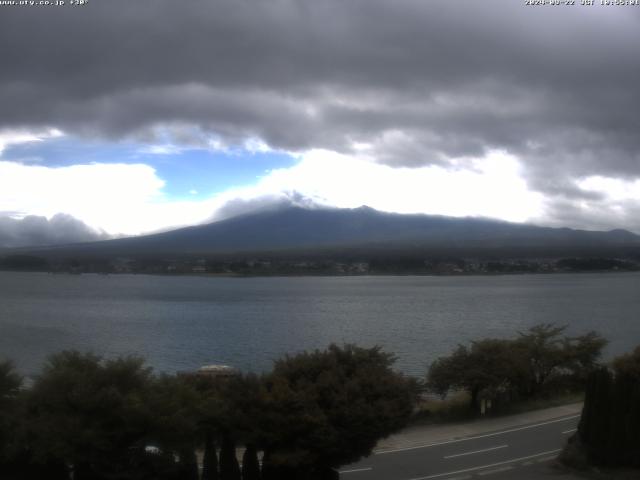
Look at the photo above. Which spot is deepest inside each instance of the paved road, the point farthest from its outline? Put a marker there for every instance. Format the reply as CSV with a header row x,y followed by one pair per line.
x,y
507,453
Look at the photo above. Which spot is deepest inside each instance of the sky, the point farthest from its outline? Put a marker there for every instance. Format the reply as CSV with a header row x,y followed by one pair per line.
x,y
122,118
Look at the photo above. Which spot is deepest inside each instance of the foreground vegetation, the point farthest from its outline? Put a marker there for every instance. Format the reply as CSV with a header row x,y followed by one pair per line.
x,y
498,373
87,418
113,419
609,431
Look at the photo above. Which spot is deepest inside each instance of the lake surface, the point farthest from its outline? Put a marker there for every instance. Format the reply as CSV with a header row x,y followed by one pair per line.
x,y
181,323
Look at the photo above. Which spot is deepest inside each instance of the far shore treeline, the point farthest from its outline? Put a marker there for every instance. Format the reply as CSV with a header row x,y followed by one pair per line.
x,y
327,263
89,418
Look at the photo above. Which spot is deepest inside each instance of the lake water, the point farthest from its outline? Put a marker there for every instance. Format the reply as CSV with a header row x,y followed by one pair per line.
x,y
180,323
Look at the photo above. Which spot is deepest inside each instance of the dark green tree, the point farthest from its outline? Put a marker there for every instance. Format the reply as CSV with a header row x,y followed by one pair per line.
x,y
232,409
177,424
329,408
250,464
90,413
609,428
188,466
448,372
209,459
583,353
523,367
543,348
229,467
595,425
10,383
628,365
488,367
551,356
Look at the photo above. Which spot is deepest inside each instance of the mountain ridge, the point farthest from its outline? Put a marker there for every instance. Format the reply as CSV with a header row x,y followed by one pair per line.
x,y
294,228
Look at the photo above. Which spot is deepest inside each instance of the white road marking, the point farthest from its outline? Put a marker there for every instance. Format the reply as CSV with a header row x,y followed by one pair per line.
x,y
496,470
476,451
569,431
545,459
356,470
482,467
564,419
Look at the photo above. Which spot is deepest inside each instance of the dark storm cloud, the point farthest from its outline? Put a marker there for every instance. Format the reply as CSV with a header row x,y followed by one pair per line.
x,y
420,81
34,230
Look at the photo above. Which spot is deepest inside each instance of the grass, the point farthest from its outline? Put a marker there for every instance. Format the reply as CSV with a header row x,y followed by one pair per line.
x,y
543,402
455,407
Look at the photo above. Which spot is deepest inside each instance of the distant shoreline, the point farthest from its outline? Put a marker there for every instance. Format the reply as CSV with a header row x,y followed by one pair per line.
x,y
309,274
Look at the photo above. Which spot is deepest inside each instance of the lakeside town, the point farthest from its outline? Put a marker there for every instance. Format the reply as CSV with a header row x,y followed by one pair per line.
x,y
326,266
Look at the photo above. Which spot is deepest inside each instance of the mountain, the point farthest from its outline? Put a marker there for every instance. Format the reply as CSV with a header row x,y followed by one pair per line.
x,y
298,229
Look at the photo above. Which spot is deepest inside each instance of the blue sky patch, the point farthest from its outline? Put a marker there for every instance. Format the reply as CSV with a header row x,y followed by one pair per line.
x,y
185,171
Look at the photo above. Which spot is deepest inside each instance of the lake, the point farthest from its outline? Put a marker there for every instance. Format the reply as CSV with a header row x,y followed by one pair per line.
x,y
180,322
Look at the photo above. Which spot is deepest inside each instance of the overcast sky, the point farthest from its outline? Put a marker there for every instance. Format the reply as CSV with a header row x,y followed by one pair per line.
x,y
133,116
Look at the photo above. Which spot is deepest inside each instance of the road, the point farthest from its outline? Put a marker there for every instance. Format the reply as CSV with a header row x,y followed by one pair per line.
x,y
507,453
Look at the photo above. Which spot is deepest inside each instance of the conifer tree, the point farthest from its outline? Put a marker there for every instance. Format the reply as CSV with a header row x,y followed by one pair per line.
x,y
250,464
210,459
229,468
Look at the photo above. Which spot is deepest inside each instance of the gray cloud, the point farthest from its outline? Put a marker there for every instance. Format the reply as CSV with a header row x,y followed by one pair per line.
x,y
264,203
35,230
592,215
422,82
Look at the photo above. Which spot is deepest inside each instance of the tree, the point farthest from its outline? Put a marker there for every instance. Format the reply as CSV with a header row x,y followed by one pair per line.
x,y
609,428
543,348
594,426
229,467
90,413
329,408
628,365
230,411
551,356
583,353
177,424
210,459
488,367
448,372
10,383
250,464
520,367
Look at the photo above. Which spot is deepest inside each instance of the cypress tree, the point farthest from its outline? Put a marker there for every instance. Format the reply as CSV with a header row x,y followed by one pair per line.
x,y
82,471
617,453
267,469
189,465
210,460
610,423
229,468
250,464
276,471
25,469
634,427
626,435
595,423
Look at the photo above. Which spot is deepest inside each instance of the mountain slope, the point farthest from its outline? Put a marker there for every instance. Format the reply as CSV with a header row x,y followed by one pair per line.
x,y
297,228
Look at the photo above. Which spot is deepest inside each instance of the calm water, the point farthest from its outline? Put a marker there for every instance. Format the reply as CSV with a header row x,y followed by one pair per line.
x,y
180,323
